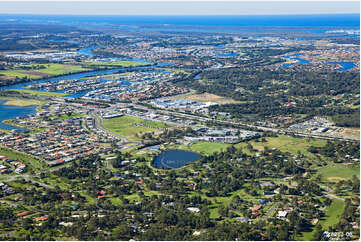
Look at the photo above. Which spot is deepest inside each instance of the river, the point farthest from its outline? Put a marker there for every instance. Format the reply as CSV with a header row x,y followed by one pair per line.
x,y
7,112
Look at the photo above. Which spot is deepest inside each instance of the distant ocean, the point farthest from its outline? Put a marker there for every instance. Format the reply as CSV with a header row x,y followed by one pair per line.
x,y
229,21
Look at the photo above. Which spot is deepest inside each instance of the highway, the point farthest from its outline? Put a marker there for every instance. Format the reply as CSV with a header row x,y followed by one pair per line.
x,y
275,130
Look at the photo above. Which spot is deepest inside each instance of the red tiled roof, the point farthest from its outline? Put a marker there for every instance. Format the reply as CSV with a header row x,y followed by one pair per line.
x,y
22,214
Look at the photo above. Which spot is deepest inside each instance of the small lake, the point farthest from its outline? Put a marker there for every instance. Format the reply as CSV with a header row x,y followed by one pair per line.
x,y
299,60
9,111
174,159
345,65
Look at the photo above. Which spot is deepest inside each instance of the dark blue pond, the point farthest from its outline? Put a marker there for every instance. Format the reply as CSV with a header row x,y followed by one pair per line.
x,y
174,159
9,111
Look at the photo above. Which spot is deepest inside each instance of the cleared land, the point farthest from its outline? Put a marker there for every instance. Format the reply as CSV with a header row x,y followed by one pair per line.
x,y
126,126
38,93
350,132
206,97
21,102
46,70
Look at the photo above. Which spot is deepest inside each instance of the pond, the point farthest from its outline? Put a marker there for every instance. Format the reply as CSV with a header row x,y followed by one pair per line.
x,y
174,159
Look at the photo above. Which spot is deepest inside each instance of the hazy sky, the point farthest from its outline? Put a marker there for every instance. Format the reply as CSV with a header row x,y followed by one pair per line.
x,y
177,7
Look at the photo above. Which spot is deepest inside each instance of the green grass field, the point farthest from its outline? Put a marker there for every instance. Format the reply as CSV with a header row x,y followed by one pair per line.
x,y
124,126
38,93
332,215
208,148
156,124
336,172
287,144
49,70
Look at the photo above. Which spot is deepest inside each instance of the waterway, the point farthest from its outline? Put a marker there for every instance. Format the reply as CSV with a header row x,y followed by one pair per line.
x,y
7,112
299,60
10,111
345,65
172,159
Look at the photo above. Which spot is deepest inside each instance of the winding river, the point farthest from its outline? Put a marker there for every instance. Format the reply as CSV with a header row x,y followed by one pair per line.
x,y
7,111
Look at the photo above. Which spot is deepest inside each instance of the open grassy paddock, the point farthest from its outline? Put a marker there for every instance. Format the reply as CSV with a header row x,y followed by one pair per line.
x,y
38,93
125,126
45,70
22,102
336,172
208,148
287,144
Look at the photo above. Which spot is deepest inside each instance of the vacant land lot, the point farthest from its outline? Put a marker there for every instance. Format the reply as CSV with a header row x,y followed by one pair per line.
x,y
350,132
38,93
126,126
207,97
22,102
42,70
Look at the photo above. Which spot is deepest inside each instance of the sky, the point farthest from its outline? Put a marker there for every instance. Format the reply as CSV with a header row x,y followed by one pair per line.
x,y
178,8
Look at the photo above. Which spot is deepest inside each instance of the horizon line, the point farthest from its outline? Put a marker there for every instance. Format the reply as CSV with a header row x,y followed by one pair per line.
x,y
170,15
